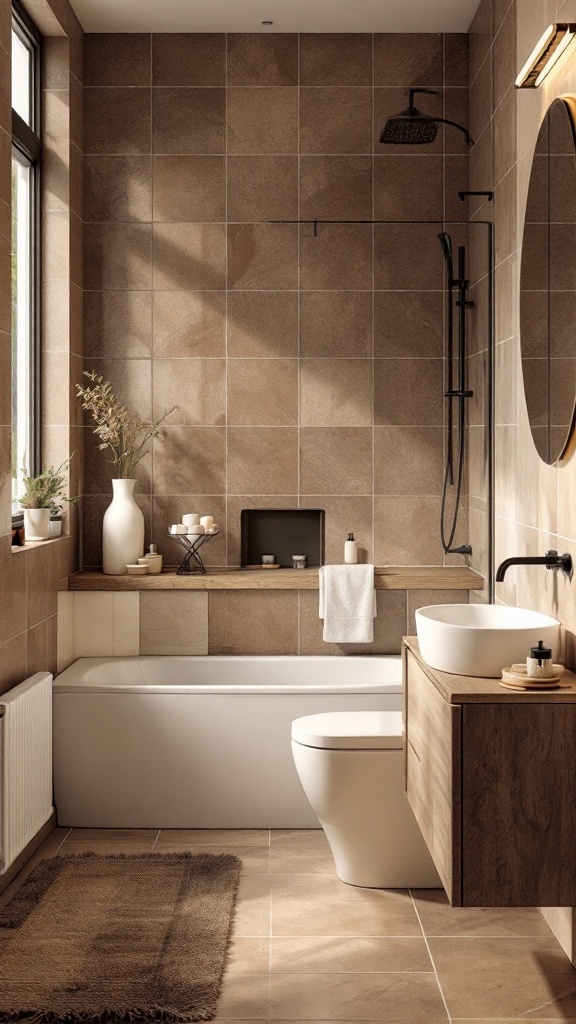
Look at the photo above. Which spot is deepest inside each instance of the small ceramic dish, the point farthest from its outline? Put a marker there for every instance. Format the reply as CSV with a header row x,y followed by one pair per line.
x,y
137,570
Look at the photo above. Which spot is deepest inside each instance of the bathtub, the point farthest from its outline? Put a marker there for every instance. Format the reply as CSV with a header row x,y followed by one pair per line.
x,y
198,742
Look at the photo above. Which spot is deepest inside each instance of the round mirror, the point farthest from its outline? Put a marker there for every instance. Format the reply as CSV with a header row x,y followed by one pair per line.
x,y
548,284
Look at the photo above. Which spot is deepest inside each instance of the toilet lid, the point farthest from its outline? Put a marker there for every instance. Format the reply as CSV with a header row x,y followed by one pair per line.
x,y
350,730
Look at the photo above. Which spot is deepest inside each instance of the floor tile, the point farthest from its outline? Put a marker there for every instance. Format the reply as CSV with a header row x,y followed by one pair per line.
x,y
245,996
322,905
326,955
217,836
252,911
248,955
529,978
307,854
110,835
439,918
383,997
107,848
254,858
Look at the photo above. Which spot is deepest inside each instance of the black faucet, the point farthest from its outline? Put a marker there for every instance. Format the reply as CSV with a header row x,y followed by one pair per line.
x,y
552,560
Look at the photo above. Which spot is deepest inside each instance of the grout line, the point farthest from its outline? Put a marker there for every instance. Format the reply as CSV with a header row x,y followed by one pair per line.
x,y
60,845
430,955
155,841
226,551
152,361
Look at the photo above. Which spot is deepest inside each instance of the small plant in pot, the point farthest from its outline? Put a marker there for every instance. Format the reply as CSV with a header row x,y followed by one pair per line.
x,y
43,497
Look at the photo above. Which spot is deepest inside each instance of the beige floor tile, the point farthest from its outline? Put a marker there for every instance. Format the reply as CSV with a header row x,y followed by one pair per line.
x,y
110,835
325,955
248,956
295,836
439,918
217,836
245,996
383,997
320,905
311,855
107,848
252,912
254,858
529,978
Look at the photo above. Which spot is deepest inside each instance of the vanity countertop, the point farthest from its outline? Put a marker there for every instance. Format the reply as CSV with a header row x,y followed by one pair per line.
x,y
389,577
476,690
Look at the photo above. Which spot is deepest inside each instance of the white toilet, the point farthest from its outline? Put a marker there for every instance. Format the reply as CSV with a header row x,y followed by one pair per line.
x,y
350,764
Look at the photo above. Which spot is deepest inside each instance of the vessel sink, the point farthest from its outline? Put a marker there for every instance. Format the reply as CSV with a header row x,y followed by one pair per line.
x,y
481,639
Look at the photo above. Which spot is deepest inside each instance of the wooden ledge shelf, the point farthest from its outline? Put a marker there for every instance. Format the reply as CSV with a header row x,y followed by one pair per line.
x,y
390,577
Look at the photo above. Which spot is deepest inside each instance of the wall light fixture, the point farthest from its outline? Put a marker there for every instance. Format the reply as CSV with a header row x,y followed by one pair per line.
x,y
555,40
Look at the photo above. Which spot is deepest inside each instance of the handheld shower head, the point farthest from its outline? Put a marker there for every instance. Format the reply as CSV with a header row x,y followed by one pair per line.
x,y
446,245
412,128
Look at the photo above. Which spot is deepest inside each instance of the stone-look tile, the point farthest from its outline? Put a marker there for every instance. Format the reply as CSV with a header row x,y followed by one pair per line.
x,y
188,120
248,956
406,257
55,406
389,626
388,102
118,325
504,56
408,187
173,623
262,59
506,240
262,392
118,188
244,996
336,324
41,583
456,59
439,918
263,256
248,837
335,59
305,851
395,379
117,120
94,625
109,841
344,515
262,188
118,256
189,256
190,188
254,858
117,58
236,503
349,956
456,109
505,136
197,387
255,622
13,612
335,460
335,120
168,509
262,120
406,530
408,324
385,997
408,460
481,105
13,662
480,37
336,187
497,977
190,460
262,324
252,912
409,60
132,383
420,599
481,167
340,257
187,324
318,905
262,460
194,58
336,392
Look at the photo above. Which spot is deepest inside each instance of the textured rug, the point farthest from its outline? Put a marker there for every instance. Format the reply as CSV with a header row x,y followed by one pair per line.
x,y
112,940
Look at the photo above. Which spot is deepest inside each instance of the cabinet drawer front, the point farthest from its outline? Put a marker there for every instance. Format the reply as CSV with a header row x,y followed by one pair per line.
x,y
433,773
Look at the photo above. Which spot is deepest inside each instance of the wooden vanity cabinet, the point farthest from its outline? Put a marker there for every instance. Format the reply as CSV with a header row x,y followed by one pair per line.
x,y
491,777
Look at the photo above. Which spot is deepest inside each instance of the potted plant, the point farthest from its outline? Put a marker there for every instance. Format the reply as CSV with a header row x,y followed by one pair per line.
x,y
126,439
43,496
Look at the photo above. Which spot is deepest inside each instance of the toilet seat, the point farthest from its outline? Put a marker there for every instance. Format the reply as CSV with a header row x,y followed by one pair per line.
x,y
350,730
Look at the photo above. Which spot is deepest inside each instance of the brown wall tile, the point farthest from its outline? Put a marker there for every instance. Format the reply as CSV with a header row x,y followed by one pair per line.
x,y
253,622
117,59
118,256
262,324
336,187
189,256
189,58
336,392
187,324
397,382
408,187
406,531
118,188
408,324
118,324
196,386
336,324
117,121
261,188
389,626
340,257
335,59
189,188
262,120
344,515
336,460
406,256
255,59
263,256
188,120
408,460
409,60
262,460
335,120
190,459
262,392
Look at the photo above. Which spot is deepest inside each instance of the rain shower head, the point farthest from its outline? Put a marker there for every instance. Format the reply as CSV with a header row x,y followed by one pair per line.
x,y
412,128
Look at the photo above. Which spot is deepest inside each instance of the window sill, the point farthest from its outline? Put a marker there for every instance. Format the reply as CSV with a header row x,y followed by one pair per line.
x,y
33,545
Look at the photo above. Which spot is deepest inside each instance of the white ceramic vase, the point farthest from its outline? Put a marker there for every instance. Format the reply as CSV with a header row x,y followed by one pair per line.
x,y
122,530
37,523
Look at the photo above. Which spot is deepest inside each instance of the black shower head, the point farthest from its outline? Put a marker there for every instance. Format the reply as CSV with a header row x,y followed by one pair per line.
x,y
446,243
412,128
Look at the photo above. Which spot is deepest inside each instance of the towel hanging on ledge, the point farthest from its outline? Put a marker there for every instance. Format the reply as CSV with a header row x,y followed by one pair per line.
x,y
347,603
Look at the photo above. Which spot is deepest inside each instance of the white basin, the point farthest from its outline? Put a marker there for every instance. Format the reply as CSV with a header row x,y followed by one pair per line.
x,y
481,639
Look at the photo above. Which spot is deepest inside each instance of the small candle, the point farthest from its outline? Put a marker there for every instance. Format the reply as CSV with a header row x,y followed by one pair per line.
x,y
207,522
191,519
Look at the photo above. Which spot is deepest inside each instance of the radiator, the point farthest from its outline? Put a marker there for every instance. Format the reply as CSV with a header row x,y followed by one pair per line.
x,y
25,764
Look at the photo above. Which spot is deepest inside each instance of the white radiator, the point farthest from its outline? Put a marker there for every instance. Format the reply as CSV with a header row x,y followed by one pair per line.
x,y
25,764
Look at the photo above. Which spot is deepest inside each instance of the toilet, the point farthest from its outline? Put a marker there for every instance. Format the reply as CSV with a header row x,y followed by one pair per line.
x,y
351,767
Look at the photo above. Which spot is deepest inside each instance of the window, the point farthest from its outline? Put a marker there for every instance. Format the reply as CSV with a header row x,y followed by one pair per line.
x,y
26,149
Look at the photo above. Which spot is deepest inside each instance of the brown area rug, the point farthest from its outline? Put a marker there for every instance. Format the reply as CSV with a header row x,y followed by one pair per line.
x,y
118,939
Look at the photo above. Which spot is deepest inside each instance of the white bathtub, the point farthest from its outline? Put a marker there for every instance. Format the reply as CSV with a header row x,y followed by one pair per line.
x,y
198,742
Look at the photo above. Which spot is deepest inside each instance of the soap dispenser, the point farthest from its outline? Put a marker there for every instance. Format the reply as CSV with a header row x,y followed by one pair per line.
x,y
539,663
350,550
152,559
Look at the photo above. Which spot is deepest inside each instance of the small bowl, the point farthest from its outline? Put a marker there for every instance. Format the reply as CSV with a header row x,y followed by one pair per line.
x,y
137,570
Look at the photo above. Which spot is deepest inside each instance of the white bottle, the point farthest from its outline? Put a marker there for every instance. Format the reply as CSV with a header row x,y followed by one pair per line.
x,y
152,559
350,550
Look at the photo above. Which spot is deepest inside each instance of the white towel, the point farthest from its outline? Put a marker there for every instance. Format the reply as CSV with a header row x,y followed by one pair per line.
x,y
347,603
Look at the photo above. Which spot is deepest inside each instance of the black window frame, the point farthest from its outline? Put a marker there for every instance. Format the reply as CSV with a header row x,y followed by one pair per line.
x,y
27,142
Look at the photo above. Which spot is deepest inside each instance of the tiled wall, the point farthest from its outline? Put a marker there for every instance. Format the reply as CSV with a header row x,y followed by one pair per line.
x,y
307,371
30,577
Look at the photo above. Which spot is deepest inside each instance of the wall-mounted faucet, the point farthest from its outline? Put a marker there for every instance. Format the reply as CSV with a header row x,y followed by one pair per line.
x,y
552,560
